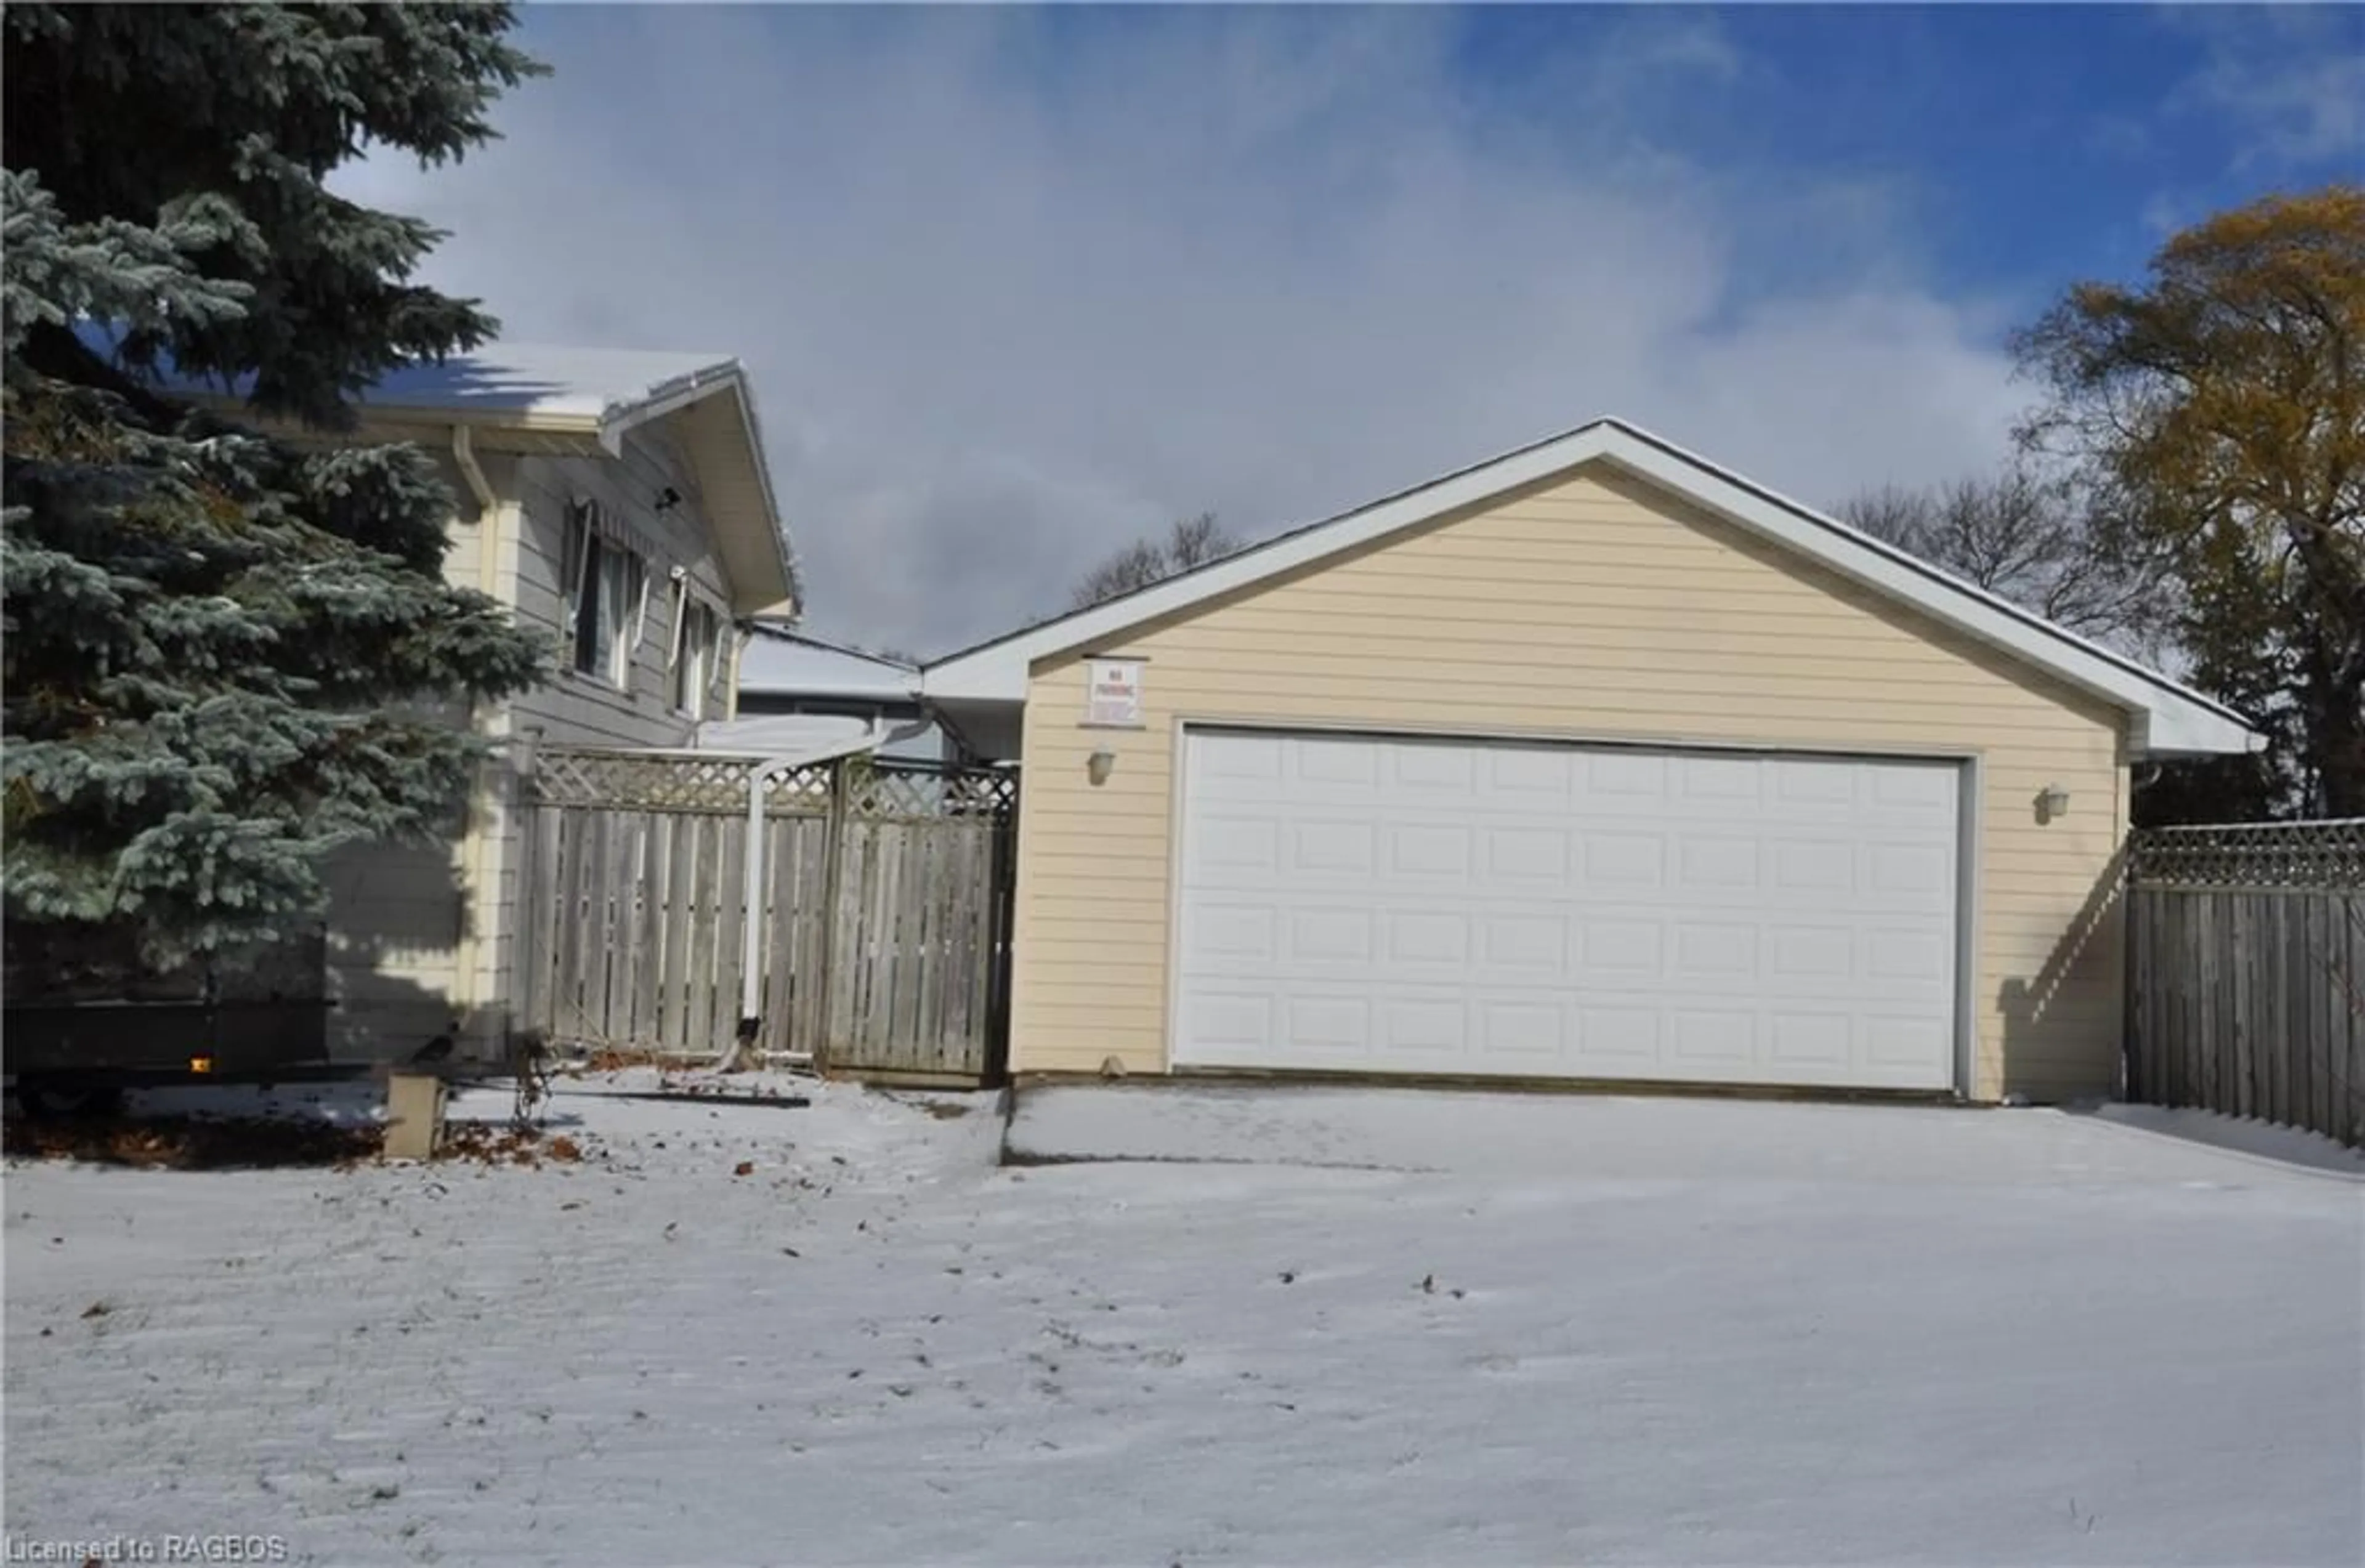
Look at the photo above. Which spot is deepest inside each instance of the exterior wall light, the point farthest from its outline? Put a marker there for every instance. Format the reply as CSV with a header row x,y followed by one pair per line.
x,y
2052,802
1099,766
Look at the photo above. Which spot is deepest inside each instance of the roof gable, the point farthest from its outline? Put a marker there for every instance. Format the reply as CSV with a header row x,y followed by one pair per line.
x,y
599,395
2165,717
606,394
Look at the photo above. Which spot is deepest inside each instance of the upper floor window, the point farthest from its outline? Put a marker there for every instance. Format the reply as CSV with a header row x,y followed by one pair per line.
x,y
607,590
696,651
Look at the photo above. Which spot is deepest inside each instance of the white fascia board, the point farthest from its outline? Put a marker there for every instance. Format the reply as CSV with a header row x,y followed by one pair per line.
x,y
2167,718
2192,732
723,375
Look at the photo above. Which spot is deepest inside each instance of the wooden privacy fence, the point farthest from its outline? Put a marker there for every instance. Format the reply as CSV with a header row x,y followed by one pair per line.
x,y
884,915
2247,972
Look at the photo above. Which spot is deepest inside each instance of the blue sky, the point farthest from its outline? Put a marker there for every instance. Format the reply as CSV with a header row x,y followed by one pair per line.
x,y
1019,284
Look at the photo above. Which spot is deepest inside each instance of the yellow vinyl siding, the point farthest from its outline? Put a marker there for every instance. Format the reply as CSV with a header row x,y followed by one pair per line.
x,y
1593,607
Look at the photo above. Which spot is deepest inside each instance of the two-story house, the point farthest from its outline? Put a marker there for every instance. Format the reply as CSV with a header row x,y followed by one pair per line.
x,y
622,503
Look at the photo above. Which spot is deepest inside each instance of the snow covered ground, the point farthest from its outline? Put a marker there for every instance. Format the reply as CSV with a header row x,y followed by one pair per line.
x,y
1371,1326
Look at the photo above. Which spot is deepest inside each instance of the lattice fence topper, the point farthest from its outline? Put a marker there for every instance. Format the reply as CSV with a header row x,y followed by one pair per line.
x,y
904,789
635,781
639,781
2329,856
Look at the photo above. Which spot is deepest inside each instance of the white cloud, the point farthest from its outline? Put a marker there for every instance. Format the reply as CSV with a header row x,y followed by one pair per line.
x,y
1017,286
2289,79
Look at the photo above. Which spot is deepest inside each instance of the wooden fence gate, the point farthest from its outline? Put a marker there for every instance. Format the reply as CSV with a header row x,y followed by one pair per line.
x,y
884,911
2246,972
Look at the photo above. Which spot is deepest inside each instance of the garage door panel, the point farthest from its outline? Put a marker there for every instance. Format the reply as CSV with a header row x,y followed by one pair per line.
x,y
1234,767
1714,952
1330,849
1423,770
1823,790
1521,854
1343,770
1230,935
1908,875
1616,1042
1625,862
1721,1037
1331,1023
1415,1030
1812,958
1822,1040
1725,868
1812,866
1231,1024
1428,938
1529,778
1631,780
1418,905
1331,937
1432,852
1518,1035
1530,947
1621,950
1900,1044
1225,844
1724,781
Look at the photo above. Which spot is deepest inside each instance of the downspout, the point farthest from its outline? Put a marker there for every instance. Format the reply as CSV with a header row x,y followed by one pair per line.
x,y
464,453
740,637
468,988
751,927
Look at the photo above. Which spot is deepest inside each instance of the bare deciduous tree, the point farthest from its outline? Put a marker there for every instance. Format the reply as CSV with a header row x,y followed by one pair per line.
x,y
2030,538
1189,543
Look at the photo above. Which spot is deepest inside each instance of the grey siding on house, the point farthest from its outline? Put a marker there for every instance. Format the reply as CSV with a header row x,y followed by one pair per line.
x,y
579,709
406,935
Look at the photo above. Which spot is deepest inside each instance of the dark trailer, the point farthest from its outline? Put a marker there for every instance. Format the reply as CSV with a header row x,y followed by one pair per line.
x,y
82,1019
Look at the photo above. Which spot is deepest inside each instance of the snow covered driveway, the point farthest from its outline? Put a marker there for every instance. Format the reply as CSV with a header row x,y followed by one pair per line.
x,y
1452,1328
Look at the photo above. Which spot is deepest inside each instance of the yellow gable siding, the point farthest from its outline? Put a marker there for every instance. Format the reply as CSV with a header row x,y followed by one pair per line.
x,y
1597,608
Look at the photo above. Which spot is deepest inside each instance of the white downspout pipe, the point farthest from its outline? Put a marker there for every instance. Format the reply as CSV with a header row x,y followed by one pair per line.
x,y
468,983
751,929
464,453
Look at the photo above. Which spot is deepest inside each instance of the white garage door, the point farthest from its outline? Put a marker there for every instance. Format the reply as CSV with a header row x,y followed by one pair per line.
x,y
1424,906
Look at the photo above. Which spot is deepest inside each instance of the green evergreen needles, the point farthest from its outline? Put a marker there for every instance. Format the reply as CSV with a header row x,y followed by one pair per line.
x,y
226,653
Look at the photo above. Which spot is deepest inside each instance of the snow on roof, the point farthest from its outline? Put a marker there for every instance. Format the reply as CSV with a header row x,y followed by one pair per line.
x,y
791,664
505,377
776,734
541,379
605,391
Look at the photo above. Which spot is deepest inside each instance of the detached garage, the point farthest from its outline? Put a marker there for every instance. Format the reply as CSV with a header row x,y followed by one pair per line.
x,y
1594,762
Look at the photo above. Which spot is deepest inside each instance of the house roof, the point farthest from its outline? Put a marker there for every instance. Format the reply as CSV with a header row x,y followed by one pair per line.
x,y
600,395
549,379
2166,718
791,664
607,393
